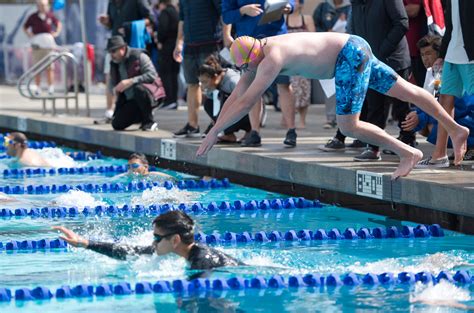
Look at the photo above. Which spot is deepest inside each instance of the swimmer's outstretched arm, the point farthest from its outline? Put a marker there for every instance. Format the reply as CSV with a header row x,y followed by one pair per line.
x,y
112,250
237,106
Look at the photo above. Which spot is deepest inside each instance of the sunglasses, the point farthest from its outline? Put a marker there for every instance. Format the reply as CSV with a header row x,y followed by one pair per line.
x,y
245,66
157,238
134,166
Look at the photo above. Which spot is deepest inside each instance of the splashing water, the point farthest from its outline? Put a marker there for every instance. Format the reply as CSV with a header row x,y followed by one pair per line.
x,y
57,157
163,195
443,294
76,198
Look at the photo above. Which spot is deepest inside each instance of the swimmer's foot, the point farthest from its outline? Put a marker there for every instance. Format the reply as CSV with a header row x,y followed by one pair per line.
x,y
407,163
459,140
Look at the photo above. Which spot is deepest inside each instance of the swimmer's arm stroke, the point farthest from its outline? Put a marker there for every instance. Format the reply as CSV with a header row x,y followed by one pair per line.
x,y
249,89
112,250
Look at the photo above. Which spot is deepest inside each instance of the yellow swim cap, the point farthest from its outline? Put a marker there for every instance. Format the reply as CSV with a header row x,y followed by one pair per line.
x,y
244,50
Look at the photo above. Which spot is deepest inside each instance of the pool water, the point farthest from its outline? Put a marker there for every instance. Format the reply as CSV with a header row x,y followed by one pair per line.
x,y
72,266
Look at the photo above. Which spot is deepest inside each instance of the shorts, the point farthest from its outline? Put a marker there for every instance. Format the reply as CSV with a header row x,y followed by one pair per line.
x,y
107,63
194,57
282,80
457,79
356,70
38,54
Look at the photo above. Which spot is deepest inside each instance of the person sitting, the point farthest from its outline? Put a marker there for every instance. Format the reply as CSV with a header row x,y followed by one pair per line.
x,y
17,146
136,85
173,233
138,165
349,59
218,83
427,126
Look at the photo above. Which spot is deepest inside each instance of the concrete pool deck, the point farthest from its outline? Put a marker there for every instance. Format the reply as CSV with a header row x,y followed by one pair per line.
x,y
444,196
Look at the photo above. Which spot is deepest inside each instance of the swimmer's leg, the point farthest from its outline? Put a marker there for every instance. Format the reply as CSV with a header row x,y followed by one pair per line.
x,y
350,125
405,91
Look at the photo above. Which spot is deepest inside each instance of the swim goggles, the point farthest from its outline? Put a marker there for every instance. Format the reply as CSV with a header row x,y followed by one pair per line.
x,y
7,141
134,166
157,238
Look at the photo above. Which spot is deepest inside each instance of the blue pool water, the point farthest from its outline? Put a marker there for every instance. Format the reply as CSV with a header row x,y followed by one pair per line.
x,y
54,268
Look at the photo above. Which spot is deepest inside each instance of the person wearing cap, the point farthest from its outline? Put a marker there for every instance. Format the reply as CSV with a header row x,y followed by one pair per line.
x,y
136,85
347,58
16,145
173,232
138,165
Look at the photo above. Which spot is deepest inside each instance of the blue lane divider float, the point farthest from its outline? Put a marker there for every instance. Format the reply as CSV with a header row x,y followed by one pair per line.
x,y
111,169
115,187
33,245
153,210
421,231
34,144
180,286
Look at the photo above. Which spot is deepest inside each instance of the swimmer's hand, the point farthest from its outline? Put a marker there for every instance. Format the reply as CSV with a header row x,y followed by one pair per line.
x,y
207,144
71,237
411,121
251,10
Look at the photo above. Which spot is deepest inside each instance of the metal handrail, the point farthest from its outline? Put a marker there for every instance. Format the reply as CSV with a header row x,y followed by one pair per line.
x,y
24,83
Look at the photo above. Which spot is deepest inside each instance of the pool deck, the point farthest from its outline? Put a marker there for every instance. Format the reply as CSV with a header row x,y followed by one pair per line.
x,y
445,196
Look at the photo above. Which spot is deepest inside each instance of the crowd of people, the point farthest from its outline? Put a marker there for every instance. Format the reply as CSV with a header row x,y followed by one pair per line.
x,y
428,43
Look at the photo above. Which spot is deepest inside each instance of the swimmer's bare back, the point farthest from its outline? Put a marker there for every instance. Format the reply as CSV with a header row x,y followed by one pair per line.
x,y
312,55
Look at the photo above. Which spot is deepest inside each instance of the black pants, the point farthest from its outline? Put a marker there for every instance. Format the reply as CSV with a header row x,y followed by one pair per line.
x,y
376,108
132,111
169,71
242,124
418,70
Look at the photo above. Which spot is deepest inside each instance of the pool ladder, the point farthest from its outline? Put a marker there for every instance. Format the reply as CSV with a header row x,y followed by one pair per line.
x,y
24,83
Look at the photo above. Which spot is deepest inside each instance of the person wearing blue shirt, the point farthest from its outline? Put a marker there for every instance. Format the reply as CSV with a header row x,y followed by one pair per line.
x,y
245,15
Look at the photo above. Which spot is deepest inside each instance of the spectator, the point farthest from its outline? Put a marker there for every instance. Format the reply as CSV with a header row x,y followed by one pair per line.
x,y
245,15
331,15
120,13
17,147
200,34
136,85
388,23
168,68
216,79
301,87
417,28
457,53
42,27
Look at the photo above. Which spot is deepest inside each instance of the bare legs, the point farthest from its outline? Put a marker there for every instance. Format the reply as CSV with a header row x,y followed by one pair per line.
x,y
440,150
351,126
194,99
287,104
109,97
302,111
254,116
405,91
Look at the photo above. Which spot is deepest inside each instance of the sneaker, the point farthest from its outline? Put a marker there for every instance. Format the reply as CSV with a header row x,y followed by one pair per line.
x,y
329,125
167,106
333,145
149,127
51,90
263,116
102,121
369,155
357,144
252,140
187,132
208,129
430,163
290,139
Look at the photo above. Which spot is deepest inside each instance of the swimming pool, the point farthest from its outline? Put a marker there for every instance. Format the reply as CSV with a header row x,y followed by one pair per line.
x,y
53,268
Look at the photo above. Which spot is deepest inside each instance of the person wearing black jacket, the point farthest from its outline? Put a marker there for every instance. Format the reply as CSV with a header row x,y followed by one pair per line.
x,y
173,233
383,23
457,53
168,68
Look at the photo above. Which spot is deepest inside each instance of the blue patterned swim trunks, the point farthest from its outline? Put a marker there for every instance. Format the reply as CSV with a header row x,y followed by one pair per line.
x,y
356,70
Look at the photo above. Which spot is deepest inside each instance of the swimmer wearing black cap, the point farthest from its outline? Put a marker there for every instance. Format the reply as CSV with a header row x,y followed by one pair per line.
x,y
173,233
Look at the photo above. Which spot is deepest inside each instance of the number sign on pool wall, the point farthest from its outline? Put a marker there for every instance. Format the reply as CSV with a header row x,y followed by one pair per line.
x,y
168,149
369,184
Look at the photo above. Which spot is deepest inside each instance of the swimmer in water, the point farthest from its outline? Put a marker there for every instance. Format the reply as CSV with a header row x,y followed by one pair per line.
x,y
17,146
173,233
138,165
350,61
